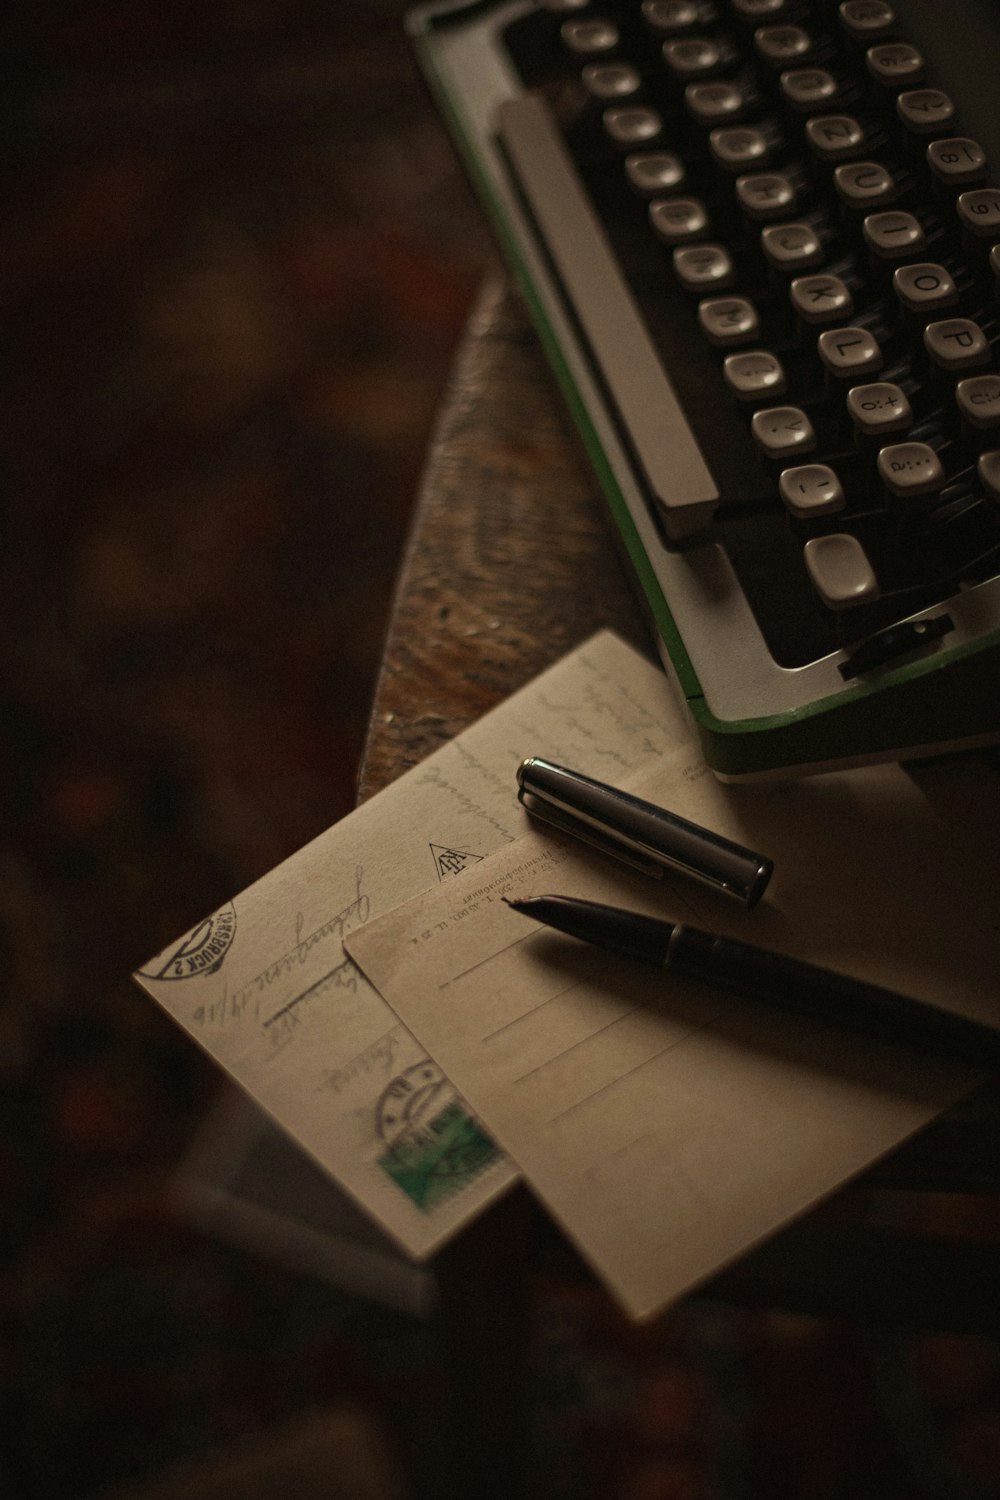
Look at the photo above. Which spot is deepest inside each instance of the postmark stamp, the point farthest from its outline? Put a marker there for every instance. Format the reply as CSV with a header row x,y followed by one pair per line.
x,y
448,861
434,1146
199,951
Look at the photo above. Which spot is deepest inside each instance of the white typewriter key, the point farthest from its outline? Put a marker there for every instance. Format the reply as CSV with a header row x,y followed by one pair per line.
x,y
832,137
895,63
779,45
978,398
632,124
893,234
849,352
864,184
821,299
840,571
811,490
988,470
564,7
879,408
693,57
979,211
867,19
782,431
708,103
701,267
925,111
956,344
587,37
652,172
957,160
924,287
738,147
610,80
755,376
754,10
808,88
677,220
909,470
668,16
791,247
766,195
726,321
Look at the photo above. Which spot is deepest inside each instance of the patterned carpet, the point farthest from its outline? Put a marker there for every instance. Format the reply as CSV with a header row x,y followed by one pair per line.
x,y
236,256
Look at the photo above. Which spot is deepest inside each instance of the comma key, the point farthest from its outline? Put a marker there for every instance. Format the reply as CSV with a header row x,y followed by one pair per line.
x,y
782,431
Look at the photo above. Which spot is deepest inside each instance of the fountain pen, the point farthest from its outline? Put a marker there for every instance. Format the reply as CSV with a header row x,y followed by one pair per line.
x,y
760,974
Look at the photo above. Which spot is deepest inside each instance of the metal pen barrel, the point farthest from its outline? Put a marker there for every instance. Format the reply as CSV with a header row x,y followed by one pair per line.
x,y
629,825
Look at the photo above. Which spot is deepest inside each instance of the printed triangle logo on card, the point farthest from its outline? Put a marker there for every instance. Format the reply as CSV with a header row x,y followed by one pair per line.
x,y
452,861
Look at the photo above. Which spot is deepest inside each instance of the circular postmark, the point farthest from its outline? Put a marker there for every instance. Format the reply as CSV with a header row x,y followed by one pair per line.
x,y
432,1141
410,1100
199,951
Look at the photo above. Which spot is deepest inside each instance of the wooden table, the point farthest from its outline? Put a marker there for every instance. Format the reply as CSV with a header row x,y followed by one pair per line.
x,y
510,563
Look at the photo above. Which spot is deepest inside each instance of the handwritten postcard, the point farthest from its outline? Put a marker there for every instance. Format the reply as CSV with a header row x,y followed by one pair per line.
x,y
669,1127
266,986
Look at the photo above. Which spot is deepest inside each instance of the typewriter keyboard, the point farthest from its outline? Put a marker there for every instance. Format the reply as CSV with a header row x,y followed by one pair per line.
x,y
794,225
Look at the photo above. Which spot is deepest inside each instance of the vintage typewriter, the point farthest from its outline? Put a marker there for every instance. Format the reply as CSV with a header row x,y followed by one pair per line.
x,y
761,244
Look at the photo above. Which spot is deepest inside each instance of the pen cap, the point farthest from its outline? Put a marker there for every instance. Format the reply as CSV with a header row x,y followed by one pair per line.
x,y
640,833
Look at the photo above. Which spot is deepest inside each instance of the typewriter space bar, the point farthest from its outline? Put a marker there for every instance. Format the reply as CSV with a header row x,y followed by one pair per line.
x,y
662,441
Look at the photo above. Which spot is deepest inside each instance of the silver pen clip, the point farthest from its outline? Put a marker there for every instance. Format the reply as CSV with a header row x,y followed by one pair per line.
x,y
647,837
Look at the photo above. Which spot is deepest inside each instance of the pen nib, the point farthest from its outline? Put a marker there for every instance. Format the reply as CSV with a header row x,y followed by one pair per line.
x,y
624,932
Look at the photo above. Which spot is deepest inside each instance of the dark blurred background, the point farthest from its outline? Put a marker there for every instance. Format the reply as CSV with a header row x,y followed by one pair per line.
x,y
236,256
